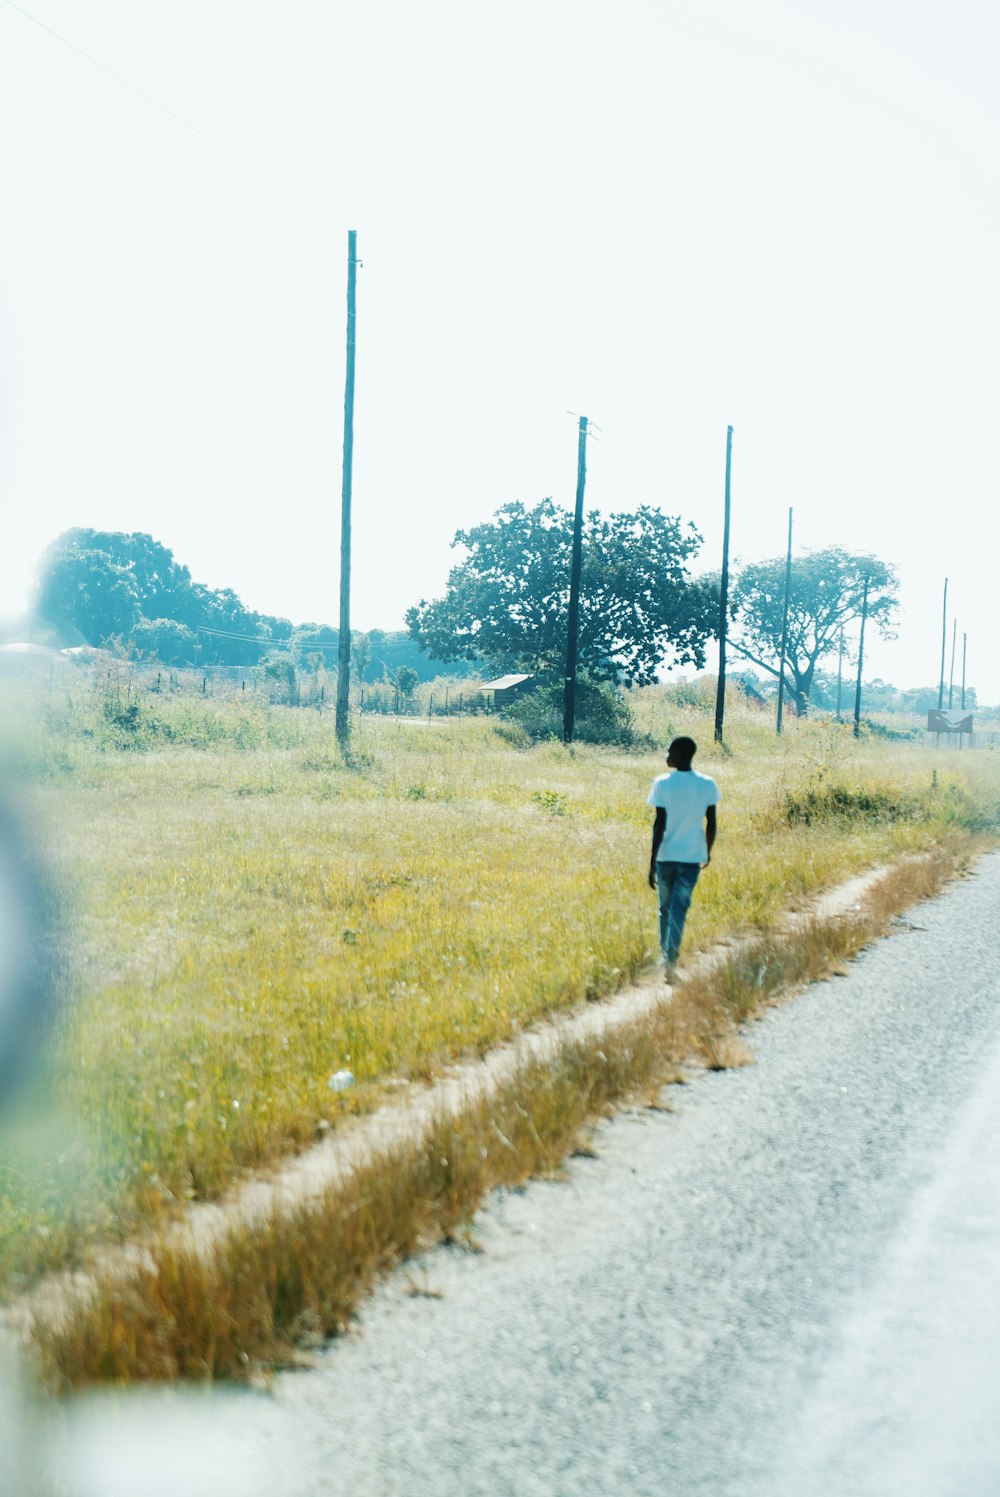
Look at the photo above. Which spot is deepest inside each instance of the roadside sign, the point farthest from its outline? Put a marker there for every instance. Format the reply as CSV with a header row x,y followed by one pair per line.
x,y
949,722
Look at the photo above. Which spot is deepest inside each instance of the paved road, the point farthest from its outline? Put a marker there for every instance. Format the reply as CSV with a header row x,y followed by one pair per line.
x,y
787,1285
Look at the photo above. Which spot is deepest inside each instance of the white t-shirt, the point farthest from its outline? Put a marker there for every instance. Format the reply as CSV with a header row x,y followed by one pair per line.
x,y
685,795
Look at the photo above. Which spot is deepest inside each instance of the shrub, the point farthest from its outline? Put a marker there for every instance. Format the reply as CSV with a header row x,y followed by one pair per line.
x,y
839,801
602,714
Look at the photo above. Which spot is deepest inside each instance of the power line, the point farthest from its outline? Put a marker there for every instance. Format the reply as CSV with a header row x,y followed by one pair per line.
x,y
309,203
191,233
268,639
538,402
173,114
499,319
269,229
177,264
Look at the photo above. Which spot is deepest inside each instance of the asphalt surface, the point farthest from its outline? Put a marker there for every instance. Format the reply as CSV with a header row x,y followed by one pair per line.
x,y
786,1285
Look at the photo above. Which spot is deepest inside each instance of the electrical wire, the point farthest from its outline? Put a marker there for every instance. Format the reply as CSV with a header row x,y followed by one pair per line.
x,y
174,115
310,203
268,639
177,264
497,317
192,234
420,365
269,229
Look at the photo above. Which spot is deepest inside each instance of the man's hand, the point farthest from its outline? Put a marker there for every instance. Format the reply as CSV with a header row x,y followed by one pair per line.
x,y
659,827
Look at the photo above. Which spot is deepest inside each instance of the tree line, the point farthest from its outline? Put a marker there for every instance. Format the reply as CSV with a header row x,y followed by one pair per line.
x,y
641,609
99,586
504,607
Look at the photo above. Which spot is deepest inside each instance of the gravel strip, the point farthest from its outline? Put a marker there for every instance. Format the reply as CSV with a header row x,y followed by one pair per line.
x,y
688,1312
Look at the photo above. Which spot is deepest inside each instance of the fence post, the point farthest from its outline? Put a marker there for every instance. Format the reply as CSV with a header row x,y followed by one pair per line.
x,y
430,706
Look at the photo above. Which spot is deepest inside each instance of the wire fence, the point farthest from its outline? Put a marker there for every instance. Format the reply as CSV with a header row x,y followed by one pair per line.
x,y
283,686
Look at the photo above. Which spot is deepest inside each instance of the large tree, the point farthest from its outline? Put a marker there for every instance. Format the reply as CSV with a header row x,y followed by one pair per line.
x,y
165,640
825,597
507,601
103,584
87,595
158,582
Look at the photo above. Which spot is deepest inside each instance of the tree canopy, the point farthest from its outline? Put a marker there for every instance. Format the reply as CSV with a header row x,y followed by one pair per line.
x,y
100,585
825,597
507,601
106,584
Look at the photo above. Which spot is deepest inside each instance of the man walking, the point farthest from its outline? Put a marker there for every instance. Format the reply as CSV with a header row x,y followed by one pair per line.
x,y
683,834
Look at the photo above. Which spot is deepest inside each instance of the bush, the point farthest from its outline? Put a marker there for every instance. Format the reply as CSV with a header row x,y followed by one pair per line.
x,y
896,735
838,801
279,670
602,715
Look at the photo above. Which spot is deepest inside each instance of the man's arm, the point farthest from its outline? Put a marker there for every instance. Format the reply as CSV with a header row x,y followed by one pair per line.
x,y
710,829
659,827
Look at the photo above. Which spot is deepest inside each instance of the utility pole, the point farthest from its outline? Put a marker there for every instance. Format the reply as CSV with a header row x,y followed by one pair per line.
x,y
861,657
951,674
784,628
720,690
840,674
965,642
344,651
944,638
573,622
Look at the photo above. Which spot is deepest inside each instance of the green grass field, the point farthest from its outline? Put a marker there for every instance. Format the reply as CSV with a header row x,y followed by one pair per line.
x,y
247,914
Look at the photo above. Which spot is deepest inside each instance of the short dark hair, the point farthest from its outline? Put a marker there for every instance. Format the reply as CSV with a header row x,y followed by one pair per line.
x,y
683,749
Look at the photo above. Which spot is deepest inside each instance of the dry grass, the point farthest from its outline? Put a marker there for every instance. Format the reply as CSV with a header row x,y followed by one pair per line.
x,y
250,914
262,1295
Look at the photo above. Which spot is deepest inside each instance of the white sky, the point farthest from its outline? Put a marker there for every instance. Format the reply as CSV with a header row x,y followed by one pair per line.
x,y
667,217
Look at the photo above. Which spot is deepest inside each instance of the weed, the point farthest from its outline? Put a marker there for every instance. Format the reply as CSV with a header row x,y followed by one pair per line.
x,y
551,800
838,800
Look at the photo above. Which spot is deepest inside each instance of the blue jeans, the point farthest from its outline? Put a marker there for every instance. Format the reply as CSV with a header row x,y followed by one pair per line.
x,y
675,883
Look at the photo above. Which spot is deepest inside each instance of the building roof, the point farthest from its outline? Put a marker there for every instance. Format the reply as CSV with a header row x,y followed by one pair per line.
x,y
503,683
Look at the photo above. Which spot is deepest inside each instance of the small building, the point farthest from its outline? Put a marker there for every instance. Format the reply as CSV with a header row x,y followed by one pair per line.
x,y
507,689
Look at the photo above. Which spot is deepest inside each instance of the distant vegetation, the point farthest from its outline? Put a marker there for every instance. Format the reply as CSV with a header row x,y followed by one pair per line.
x,y
504,610
826,593
101,586
507,600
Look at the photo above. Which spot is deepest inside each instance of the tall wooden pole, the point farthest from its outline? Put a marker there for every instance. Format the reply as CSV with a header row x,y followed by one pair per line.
x,y
951,673
344,651
944,640
720,690
840,673
965,644
861,657
784,629
573,622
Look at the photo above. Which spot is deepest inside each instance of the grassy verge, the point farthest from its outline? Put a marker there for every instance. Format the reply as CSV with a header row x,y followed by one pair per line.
x,y
262,1294
249,914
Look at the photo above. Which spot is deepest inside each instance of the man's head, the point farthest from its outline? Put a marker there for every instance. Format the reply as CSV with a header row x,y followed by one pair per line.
x,y
680,753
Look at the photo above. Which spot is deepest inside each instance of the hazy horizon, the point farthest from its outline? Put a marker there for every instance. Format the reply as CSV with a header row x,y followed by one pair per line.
x,y
667,218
